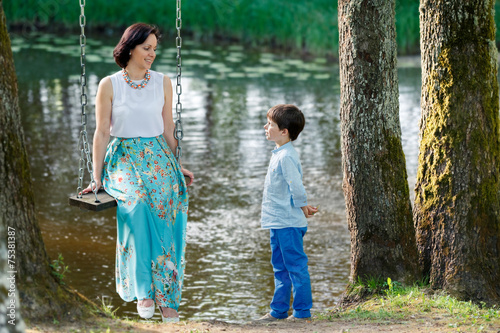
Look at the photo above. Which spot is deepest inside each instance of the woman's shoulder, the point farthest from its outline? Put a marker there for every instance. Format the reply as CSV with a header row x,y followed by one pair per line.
x,y
105,81
161,77
115,74
109,78
158,74
105,86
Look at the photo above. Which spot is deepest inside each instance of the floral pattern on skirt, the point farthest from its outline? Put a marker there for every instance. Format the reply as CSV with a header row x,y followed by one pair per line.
x,y
144,177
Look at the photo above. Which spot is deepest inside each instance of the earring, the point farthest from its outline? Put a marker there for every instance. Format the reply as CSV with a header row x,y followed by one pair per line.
x,y
130,53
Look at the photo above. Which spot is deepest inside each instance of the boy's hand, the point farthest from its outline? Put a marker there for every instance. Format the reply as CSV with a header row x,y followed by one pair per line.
x,y
309,211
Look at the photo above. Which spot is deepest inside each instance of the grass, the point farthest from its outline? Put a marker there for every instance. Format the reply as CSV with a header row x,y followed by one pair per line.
x,y
107,309
391,301
415,308
309,26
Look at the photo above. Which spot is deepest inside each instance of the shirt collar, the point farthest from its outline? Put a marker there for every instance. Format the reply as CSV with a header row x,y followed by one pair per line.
x,y
285,146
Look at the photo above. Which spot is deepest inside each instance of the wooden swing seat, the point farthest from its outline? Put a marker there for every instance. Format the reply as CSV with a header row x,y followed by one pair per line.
x,y
105,201
88,202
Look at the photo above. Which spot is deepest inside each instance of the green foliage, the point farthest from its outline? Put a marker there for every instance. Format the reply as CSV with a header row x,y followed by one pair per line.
x,y
59,269
107,308
410,303
407,26
310,26
374,285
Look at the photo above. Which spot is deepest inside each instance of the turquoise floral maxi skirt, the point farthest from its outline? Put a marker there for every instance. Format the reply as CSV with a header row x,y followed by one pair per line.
x,y
144,177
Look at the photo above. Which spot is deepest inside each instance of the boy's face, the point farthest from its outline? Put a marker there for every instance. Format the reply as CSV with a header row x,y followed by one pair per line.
x,y
273,133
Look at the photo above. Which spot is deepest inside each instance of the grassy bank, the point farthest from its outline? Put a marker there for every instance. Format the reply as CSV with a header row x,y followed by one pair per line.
x,y
391,307
391,302
309,26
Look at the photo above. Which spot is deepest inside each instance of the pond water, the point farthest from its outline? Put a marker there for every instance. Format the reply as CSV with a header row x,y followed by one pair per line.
x,y
226,93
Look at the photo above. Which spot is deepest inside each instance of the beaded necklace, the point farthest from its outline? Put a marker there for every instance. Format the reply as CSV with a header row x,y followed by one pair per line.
x,y
139,86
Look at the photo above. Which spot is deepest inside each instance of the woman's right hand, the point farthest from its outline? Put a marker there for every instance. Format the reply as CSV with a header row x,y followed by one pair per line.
x,y
91,189
189,174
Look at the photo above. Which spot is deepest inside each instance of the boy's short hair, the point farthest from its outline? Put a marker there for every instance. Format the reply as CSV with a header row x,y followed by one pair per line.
x,y
288,116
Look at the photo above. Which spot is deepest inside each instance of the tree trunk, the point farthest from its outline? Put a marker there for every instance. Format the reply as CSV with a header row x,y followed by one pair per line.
x,y
41,296
457,200
9,299
375,182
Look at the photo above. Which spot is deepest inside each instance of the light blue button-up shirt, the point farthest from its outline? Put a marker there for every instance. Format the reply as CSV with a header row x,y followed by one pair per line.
x,y
284,192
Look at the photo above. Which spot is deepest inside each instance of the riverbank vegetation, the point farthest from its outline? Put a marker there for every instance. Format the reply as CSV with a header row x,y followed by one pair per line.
x,y
386,301
388,305
299,26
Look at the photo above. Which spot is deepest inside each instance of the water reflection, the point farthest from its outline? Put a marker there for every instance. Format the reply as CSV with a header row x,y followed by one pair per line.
x,y
226,93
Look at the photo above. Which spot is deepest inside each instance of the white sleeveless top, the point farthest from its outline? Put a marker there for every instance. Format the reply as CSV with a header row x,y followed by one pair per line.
x,y
137,113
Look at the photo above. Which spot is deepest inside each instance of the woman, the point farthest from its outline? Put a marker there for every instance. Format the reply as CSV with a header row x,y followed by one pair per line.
x,y
140,171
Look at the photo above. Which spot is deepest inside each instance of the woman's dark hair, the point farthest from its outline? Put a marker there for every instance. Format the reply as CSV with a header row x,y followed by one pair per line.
x,y
134,35
288,116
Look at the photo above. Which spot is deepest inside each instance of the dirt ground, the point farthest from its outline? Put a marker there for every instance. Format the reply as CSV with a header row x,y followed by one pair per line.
x,y
427,323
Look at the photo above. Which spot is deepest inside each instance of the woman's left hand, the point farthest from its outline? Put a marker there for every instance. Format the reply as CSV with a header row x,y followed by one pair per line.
x,y
189,174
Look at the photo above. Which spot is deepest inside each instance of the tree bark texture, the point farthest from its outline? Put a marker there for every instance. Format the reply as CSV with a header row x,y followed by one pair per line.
x,y
457,200
375,183
40,294
11,320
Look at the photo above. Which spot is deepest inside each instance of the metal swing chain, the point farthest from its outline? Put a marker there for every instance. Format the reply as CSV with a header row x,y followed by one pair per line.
x,y
178,133
83,141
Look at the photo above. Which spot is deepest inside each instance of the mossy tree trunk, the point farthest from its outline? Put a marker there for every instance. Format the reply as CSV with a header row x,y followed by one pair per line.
x,y
41,296
375,183
457,200
11,319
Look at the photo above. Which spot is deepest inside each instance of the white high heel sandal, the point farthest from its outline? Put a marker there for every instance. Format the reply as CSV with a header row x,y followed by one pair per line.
x,y
168,319
146,312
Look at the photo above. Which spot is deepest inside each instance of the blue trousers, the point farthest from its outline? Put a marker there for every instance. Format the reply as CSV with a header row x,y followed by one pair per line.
x,y
290,269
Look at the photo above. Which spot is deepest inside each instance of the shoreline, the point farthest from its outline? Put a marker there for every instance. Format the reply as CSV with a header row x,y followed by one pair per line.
x,y
421,322
399,309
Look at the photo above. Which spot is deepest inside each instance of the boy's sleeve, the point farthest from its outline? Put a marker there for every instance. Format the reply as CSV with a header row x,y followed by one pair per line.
x,y
294,180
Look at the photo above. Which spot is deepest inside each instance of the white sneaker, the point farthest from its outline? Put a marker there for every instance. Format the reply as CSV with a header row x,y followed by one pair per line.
x,y
267,318
146,312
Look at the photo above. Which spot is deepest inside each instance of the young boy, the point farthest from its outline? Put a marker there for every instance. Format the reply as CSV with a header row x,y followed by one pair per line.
x,y
284,213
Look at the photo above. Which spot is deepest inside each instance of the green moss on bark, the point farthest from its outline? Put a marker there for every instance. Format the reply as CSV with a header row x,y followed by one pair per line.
x,y
457,203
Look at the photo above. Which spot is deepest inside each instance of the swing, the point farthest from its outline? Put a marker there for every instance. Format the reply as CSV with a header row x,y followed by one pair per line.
x,y
99,200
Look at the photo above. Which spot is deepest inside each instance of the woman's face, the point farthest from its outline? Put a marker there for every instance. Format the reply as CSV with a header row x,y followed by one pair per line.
x,y
144,54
